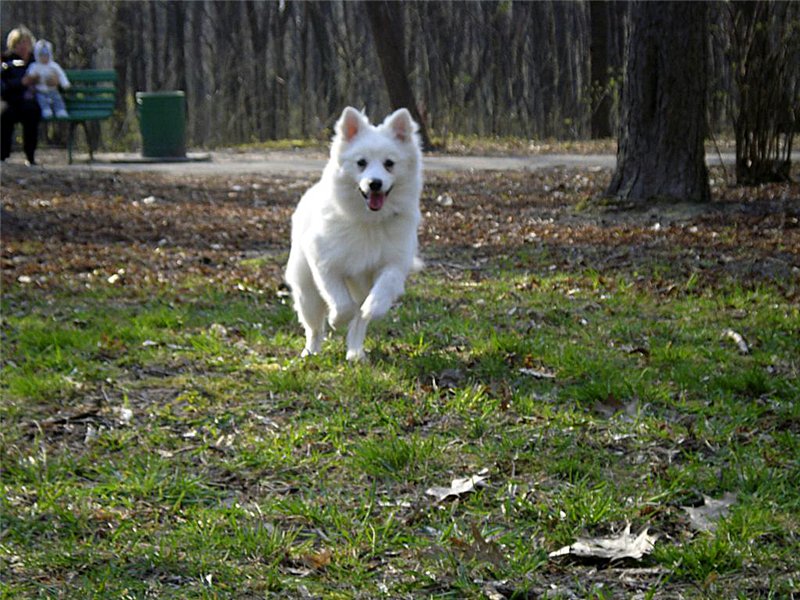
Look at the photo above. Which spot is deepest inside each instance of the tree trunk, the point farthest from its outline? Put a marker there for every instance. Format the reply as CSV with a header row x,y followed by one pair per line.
x,y
176,57
281,93
154,59
123,17
386,22
765,43
600,90
660,150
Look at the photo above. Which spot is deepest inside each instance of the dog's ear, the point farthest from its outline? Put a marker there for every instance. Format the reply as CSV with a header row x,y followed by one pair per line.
x,y
401,125
349,124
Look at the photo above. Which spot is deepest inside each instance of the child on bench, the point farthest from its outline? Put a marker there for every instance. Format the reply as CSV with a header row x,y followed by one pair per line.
x,y
51,75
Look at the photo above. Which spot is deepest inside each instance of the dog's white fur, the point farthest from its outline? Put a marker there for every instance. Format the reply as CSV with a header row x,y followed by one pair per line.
x,y
354,233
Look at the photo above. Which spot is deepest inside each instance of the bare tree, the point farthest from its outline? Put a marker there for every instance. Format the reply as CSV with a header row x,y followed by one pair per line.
x,y
386,21
176,23
661,141
255,70
280,106
765,54
600,92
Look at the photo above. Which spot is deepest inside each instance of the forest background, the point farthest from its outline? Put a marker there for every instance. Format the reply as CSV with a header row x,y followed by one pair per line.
x,y
255,71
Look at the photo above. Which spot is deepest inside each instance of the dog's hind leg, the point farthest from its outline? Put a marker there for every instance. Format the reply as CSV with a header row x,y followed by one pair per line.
x,y
311,309
355,338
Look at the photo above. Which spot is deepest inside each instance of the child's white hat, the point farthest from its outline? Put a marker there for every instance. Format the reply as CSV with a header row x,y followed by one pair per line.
x,y
42,48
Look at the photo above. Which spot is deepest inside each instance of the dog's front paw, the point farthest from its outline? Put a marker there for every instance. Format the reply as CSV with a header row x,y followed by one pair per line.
x,y
340,316
356,355
374,308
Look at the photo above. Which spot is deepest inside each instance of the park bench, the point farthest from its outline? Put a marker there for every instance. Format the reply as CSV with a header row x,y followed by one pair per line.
x,y
91,96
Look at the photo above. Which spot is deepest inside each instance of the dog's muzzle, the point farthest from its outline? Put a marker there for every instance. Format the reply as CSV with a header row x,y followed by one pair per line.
x,y
375,196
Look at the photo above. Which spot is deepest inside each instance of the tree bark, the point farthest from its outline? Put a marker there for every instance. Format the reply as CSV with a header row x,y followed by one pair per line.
x,y
176,57
660,151
600,92
123,17
765,44
281,92
386,23
156,42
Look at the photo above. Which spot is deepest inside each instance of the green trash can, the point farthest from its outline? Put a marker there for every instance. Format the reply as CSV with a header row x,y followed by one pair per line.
x,y
162,122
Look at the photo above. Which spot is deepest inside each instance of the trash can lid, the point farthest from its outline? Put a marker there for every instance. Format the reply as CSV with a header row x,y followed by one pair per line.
x,y
168,94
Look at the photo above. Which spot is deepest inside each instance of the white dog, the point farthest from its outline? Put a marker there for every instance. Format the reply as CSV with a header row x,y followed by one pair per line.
x,y
354,233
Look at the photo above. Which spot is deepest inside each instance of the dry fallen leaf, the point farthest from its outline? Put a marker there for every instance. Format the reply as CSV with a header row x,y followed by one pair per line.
x,y
537,373
122,414
704,518
480,549
317,560
457,487
613,405
738,340
617,547
444,200
448,379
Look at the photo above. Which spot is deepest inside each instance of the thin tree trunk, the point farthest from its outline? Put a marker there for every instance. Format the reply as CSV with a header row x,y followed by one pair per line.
x,y
600,92
766,47
661,152
387,31
176,57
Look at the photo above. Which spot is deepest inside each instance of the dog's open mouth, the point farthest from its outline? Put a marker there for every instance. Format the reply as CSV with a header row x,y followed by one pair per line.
x,y
375,200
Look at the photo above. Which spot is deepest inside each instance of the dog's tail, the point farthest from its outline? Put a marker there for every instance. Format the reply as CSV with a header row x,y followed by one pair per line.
x,y
417,265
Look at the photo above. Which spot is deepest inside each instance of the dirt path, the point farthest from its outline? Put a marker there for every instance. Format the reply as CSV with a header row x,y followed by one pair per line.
x,y
61,221
304,161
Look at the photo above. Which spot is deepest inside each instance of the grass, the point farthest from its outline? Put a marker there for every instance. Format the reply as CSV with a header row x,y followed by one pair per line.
x,y
171,444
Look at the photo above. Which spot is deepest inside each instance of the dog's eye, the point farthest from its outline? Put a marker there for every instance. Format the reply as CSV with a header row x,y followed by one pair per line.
x,y
362,163
388,164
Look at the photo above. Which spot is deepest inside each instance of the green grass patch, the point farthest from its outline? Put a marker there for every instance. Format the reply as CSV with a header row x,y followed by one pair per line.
x,y
174,445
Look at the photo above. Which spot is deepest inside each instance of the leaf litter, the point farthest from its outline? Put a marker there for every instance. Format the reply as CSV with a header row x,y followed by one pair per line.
x,y
67,229
479,549
75,230
737,338
706,516
458,487
612,548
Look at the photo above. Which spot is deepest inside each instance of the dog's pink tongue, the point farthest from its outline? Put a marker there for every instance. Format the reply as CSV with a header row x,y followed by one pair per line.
x,y
375,201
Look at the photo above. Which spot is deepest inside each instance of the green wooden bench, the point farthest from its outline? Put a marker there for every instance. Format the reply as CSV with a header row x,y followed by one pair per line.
x,y
92,96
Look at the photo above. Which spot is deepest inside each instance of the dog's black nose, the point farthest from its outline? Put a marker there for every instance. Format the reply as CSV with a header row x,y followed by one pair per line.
x,y
375,184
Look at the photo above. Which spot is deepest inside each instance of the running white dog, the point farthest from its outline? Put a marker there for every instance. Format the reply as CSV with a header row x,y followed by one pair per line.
x,y
354,233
